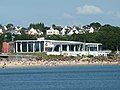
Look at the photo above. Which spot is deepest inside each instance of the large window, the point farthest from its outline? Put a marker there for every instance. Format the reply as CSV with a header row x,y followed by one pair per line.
x,y
99,47
86,47
48,49
64,47
71,47
93,48
57,48
30,46
24,46
76,47
36,46
42,46
18,47
81,47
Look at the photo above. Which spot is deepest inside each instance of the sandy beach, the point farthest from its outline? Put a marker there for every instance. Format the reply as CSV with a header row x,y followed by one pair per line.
x,y
45,63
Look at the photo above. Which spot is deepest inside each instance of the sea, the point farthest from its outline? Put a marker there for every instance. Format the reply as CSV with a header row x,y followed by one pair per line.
x,y
99,77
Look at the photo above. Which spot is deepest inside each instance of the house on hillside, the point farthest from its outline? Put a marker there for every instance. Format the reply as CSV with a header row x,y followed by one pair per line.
x,y
63,31
15,32
70,32
33,31
1,31
73,30
91,30
5,28
52,31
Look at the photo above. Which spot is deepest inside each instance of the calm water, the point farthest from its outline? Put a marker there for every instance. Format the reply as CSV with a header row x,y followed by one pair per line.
x,y
61,78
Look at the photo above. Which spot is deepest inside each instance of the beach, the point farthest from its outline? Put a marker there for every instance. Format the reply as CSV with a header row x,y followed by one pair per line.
x,y
60,62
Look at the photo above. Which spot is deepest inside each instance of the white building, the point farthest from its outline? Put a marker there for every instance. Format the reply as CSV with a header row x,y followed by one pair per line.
x,y
75,30
52,31
53,47
33,31
5,28
1,31
16,32
63,31
70,32
91,30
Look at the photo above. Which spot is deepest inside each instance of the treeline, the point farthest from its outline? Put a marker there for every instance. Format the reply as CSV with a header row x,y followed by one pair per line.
x,y
108,35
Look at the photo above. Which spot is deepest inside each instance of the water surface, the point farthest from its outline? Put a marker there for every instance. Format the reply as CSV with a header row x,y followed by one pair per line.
x,y
61,78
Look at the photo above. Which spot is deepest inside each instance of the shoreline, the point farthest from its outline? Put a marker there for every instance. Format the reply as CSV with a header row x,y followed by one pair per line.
x,y
26,64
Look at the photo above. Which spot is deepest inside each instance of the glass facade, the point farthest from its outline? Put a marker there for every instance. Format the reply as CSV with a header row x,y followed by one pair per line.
x,y
37,44
77,47
24,45
30,46
18,46
64,47
71,47
57,48
42,46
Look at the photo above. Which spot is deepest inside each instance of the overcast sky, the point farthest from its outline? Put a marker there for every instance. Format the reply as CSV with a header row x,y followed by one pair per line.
x,y
59,12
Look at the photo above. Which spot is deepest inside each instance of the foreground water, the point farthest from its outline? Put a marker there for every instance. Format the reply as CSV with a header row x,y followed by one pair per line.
x,y
61,78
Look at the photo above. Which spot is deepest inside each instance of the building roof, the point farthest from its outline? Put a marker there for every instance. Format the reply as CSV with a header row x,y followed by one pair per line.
x,y
57,41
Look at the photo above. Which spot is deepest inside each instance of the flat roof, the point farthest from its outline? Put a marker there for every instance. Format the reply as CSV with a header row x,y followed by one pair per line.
x,y
57,41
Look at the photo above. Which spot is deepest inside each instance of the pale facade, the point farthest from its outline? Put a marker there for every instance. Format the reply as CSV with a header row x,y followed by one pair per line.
x,y
53,47
91,30
70,32
52,31
1,31
63,31
32,31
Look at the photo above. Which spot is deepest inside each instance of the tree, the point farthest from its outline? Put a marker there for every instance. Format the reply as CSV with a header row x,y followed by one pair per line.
x,y
95,25
39,26
9,26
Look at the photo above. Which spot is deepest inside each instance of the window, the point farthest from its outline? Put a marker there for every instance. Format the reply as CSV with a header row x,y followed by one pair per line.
x,y
18,47
71,47
30,46
24,46
57,48
76,47
93,48
64,47
48,49
36,46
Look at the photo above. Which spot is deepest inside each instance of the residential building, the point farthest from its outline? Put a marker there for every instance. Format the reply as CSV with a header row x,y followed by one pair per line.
x,y
52,31
1,31
33,31
63,31
91,30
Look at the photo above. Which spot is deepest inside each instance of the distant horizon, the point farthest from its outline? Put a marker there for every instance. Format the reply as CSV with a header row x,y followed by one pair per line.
x,y
62,12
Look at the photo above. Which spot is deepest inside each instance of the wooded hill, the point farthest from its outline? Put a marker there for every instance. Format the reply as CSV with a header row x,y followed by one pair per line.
x,y
108,35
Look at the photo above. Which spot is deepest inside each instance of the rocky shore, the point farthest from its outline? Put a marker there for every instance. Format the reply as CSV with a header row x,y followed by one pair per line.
x,y
62,61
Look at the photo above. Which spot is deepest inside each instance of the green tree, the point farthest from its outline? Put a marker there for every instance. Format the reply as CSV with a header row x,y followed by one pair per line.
x,y
96,25
39,26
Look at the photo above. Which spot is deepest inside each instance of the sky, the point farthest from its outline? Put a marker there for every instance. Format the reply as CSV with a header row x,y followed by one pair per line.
x,y
59,12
